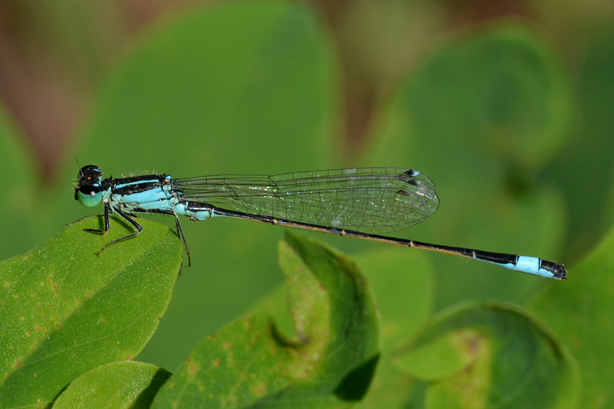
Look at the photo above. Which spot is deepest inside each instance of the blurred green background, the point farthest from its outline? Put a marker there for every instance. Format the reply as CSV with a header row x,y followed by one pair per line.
x,y
508,106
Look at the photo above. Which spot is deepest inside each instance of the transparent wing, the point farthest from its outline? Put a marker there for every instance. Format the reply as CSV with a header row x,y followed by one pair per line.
x,y
369,200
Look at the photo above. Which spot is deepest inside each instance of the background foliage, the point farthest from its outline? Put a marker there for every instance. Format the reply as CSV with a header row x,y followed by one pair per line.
x,y
507,108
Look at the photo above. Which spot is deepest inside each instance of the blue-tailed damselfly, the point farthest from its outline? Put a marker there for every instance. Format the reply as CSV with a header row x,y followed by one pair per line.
x,y
360,202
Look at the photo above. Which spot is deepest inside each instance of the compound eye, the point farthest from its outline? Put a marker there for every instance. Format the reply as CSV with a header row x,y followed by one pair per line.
x,y
88,196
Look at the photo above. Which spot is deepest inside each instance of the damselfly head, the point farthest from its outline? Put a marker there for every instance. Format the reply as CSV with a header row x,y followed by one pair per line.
x,y
87,191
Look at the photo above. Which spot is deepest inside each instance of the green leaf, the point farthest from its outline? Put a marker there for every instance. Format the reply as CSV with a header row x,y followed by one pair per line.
x,y
404,285
249,363
481,116
65,310
490,355
116,385
17,202
403,282
503,86
582,313
590,151
220,80
235,87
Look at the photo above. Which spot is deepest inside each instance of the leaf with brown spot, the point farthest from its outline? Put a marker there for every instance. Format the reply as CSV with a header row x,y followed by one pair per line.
x,y
87,310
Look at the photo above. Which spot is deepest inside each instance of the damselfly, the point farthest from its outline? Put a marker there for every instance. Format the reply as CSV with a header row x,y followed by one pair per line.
x,y
362,202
